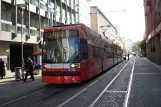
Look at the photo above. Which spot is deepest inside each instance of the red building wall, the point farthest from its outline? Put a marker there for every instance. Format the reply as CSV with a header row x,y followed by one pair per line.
x,y
149,10
152,10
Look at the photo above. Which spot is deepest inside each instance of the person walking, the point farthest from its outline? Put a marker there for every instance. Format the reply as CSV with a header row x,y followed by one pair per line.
x,y
2,70
128,56
29,69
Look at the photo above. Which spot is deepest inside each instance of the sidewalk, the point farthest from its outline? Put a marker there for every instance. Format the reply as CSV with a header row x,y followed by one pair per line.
x,y
158,66
10,76
145,88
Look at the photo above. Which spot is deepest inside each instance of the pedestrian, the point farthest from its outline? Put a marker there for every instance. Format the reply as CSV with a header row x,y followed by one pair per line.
x,y
128,56
2,69
29,69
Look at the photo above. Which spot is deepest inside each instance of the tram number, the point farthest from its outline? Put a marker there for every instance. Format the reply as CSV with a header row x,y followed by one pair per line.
x,y
71,69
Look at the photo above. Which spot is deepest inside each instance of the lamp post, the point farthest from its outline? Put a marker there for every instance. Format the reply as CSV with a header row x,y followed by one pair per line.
x,y
22,6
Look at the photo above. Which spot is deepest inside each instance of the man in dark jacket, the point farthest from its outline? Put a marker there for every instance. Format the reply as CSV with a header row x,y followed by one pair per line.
x,y
29,69
1,68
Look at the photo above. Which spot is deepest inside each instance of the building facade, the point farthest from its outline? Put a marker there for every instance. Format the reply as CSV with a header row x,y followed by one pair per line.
x,y
101,24
38,14
152,9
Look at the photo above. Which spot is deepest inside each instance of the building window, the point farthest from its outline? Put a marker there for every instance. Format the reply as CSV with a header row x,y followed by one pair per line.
x,y
13,15
33,20
25,31
19,30
51,3
26,18
34,2
4,12
37,21
12,28
36,33
5,27
32,32
42,6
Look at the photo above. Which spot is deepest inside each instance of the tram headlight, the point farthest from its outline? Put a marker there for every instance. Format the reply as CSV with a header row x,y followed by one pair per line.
x,y
44,66
74,65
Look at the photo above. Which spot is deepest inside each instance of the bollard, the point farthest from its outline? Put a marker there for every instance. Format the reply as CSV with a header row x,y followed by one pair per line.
x,y
18,73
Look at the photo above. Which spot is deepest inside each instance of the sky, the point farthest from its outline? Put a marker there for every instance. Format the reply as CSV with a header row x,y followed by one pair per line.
x,y
130,22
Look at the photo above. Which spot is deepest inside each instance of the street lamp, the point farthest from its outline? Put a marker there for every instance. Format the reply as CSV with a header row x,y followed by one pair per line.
x,y
22,6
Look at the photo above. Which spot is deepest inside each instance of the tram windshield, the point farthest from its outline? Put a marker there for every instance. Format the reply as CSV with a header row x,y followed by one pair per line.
x,y
63,50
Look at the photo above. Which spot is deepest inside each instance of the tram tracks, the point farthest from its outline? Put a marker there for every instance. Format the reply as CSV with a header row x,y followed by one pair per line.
x,y
115,93
81,96
50,92
105,89
34,98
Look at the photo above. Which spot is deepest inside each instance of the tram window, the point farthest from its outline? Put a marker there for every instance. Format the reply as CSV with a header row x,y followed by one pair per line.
x,y
83,41
96,52
106,48
73,33
61,33
83,52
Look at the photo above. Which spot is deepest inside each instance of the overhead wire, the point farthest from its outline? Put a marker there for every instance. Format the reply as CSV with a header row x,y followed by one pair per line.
x,y
118,37
93,18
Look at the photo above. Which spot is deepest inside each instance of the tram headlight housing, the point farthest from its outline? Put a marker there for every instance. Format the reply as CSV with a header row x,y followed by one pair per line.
x,y
74,65
44,66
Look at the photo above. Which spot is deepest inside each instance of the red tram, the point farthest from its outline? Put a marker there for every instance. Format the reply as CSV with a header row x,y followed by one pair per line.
x,y
75,53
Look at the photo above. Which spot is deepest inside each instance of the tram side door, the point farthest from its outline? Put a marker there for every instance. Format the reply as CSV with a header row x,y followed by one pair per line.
x,y
84,60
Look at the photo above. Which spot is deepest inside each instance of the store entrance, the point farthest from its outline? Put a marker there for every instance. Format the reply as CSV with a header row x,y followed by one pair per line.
x,y
15,54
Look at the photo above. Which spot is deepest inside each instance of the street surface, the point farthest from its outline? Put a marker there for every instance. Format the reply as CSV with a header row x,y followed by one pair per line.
x,y
133,83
